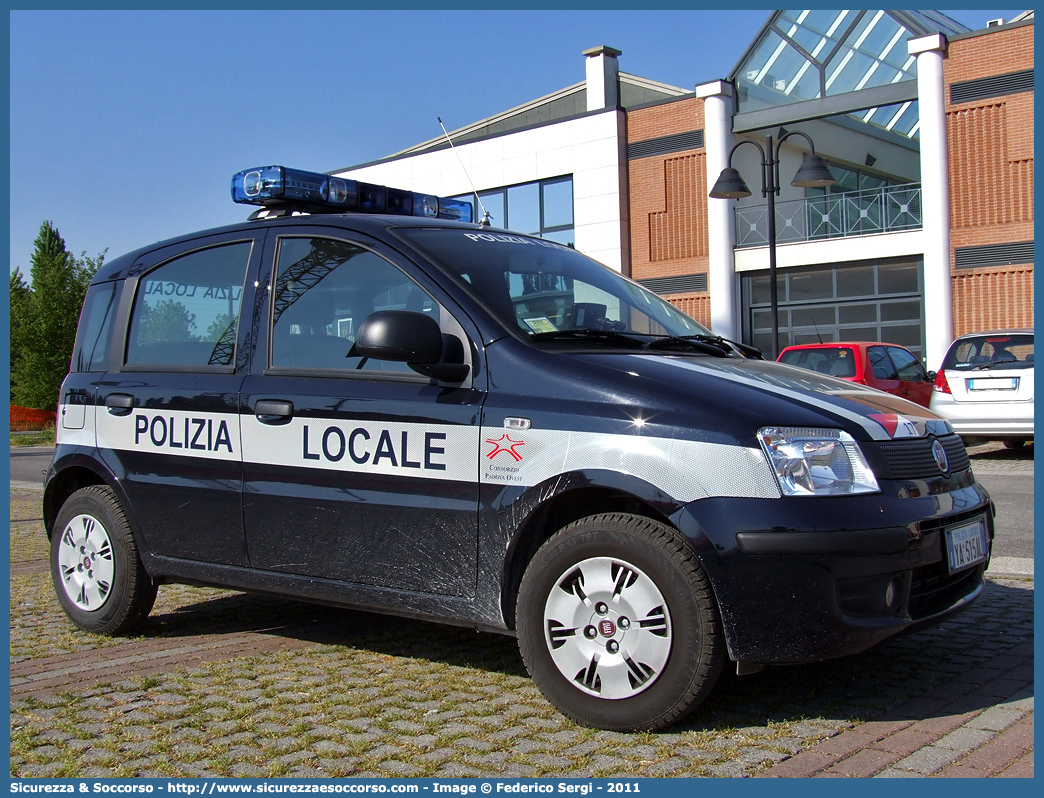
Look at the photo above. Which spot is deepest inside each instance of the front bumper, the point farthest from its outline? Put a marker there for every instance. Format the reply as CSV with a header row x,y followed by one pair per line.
x,y
812,578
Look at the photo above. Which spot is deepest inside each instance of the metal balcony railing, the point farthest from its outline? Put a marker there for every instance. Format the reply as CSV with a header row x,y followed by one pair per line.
x,y
855,213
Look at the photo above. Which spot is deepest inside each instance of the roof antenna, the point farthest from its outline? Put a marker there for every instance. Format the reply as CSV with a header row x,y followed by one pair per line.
x,y
485,214
816,326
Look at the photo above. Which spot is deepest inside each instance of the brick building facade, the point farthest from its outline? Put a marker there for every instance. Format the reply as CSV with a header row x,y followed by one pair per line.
x,y
989,114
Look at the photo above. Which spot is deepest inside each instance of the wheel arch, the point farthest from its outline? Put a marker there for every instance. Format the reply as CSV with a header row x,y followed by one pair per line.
x,y
69,476
556,503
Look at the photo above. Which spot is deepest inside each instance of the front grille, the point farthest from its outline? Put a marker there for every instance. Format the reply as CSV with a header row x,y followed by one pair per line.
x,y
913,458
933,590
951,520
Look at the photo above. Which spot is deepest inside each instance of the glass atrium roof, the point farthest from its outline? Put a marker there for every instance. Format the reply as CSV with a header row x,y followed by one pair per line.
x,y
814,54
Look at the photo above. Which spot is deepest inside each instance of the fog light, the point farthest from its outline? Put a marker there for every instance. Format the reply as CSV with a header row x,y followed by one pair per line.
x,y
873,597
890,594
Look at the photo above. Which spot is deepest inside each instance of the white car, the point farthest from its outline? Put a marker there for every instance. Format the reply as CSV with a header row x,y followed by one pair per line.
x,y
984,387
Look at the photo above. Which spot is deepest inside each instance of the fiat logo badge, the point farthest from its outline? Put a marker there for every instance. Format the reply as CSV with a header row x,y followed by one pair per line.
x,y
607,628
940,456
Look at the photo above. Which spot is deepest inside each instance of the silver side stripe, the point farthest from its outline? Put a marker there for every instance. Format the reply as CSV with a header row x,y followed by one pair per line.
x,y
683,469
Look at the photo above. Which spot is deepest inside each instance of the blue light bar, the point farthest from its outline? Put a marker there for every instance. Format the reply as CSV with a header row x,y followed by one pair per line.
x,y
274,186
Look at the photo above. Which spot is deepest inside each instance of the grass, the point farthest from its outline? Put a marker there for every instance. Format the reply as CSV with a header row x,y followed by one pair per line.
x,y
43,437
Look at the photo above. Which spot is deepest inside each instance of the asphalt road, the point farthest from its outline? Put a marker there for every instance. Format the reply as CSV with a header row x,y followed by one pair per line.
x,y
1013,495
28,464
1007,475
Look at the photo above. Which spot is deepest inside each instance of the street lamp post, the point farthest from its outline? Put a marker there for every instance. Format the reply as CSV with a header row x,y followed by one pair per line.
x,y
729,185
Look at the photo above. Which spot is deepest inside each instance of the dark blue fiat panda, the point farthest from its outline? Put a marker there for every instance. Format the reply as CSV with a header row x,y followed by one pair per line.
x,y
355,400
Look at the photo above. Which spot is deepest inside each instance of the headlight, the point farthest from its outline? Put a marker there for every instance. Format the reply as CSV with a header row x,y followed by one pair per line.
x,y
817,462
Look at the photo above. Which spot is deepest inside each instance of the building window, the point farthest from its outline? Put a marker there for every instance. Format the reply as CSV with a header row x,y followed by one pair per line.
x,y
543,208
868,301
806,55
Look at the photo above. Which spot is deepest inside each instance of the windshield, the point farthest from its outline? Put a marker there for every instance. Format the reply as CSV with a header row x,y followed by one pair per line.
x,y
546,291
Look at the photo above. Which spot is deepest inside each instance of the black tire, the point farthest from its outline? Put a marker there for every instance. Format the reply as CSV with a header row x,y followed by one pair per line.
x,y
97,573
1016,444
666,661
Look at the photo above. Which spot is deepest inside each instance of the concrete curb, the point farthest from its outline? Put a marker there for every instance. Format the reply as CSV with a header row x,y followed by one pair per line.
x,y
1010,566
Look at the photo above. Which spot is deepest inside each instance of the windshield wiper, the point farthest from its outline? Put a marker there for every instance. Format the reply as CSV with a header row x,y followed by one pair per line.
x,y
609,337
712,344
707,344
993,363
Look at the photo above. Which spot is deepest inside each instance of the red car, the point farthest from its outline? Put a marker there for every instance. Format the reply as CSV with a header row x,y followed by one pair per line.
x,y
886,367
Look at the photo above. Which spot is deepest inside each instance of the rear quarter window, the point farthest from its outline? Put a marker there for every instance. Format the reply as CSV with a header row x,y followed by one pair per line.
x,y
91,352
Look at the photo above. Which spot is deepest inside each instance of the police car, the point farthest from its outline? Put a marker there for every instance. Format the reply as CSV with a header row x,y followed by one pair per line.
x,y
360,397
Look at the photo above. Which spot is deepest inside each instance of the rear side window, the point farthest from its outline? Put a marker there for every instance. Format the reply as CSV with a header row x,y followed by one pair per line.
x,y
186,312
92,336
839,362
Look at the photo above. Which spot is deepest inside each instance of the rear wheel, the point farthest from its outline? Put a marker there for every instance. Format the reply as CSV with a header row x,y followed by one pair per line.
x,y
617,624
97,572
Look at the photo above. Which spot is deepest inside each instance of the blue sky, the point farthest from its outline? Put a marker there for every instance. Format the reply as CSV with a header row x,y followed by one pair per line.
x,y
126,126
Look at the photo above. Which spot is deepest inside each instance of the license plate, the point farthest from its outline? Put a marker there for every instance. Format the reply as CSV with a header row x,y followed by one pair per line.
x,y
993,384
966,545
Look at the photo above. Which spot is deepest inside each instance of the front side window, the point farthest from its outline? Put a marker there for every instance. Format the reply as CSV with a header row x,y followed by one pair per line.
x,y
882,365
186,311
324,289
906,365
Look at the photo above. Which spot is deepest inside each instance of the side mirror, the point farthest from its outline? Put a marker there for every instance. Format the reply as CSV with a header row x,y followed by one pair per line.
x,y
406,336
932,375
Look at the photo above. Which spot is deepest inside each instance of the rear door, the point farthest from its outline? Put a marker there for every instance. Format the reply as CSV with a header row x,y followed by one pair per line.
x,y
357,470
167,416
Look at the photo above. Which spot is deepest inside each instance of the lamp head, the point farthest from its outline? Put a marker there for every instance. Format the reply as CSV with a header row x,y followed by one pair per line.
x,y
729,185
813,173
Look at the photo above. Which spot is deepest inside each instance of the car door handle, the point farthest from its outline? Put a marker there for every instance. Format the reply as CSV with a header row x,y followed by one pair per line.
x,y
119,404
274,411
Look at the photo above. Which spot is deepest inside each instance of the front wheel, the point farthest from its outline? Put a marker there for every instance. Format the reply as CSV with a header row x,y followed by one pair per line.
x,y
97,572
617,624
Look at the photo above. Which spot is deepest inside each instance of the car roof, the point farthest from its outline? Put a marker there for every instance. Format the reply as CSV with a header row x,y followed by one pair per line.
x,y
1017,331
366,223
839,344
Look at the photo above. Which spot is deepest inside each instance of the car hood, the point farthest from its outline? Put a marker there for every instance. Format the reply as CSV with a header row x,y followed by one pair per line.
x,y
875,414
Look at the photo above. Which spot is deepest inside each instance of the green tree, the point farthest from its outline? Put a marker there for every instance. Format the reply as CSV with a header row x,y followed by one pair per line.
x,y
44,315
168,321
20,297
222,327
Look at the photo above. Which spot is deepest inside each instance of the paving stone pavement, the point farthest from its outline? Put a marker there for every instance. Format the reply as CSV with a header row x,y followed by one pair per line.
x,y
220,683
